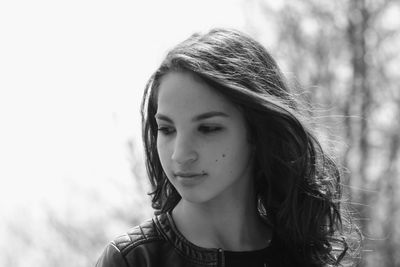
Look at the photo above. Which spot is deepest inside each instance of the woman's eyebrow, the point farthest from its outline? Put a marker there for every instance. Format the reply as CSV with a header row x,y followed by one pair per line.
x,y
199,117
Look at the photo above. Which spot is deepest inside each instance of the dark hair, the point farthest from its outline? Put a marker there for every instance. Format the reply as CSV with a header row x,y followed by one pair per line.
x,y
297,184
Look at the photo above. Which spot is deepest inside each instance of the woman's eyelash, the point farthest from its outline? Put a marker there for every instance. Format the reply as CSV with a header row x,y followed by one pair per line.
x,y
165,130
209,129
203,129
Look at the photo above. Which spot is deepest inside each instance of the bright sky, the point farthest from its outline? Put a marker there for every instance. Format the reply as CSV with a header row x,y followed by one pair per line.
x,y
71,79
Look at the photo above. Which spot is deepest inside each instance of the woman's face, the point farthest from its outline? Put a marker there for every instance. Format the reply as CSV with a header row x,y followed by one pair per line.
x,y
202,140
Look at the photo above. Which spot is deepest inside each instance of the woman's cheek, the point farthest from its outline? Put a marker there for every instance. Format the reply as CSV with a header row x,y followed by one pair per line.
x,y
220,157
162,149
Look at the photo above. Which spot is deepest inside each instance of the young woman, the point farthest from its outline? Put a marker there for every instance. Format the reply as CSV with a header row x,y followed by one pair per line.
x,y
238,177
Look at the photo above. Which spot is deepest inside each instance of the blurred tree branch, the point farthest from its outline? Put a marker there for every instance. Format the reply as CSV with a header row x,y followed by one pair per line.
x,y
346,56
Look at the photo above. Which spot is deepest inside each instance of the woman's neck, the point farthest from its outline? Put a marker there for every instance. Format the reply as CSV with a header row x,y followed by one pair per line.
x,y
231,225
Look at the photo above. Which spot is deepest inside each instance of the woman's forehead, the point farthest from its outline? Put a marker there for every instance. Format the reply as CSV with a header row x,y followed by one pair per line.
x,y
182,93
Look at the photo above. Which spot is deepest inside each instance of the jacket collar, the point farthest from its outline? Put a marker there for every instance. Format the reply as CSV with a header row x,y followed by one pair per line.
x,y
168,229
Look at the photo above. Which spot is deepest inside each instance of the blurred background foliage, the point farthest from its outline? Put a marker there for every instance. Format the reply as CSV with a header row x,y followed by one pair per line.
x,y
341,57
74,233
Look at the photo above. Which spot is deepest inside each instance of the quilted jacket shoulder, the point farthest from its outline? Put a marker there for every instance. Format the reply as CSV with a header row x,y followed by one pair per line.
x,y
136,248
141,234
157,242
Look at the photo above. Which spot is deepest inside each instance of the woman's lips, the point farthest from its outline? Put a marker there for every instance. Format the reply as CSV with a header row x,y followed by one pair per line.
x,y
188,174
189,179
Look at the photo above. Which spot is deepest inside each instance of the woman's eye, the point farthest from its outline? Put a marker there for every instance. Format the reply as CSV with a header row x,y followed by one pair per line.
x,y
209,129
165,130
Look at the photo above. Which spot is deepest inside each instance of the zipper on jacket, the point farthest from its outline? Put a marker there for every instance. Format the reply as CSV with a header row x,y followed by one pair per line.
x,y
221,258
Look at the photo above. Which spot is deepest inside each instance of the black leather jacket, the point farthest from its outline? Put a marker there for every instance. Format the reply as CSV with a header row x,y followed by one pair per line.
x,y
157,242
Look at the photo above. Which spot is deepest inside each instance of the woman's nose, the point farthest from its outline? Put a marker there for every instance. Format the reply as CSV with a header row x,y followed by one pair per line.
x,y
184,151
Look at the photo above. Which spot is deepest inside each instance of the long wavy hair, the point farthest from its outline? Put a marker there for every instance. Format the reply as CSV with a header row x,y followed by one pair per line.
x,y
297,184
